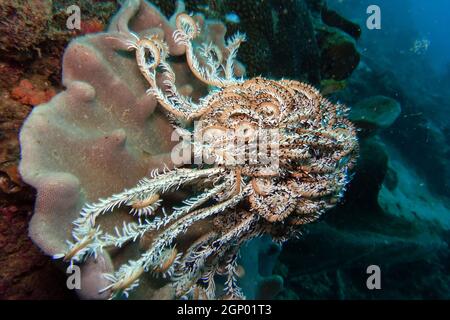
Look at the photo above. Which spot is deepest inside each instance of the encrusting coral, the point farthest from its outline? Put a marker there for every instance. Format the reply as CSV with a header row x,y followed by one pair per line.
x,y
290,178
24,24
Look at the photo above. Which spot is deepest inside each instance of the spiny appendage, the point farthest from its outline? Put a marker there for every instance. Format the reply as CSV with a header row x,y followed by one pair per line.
x,y
316,155
142,201
151,54
232,290
215,69
162,257
316,146
216,254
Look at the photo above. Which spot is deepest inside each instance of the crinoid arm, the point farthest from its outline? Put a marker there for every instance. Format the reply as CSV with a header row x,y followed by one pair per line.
x,y
213,70
162,257
233,45
142,201
216,253
151,54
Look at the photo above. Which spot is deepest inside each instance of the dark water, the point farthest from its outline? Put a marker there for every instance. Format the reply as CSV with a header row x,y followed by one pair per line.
x,y
408,59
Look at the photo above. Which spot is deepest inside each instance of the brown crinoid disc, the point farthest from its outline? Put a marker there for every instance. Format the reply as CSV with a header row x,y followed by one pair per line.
x,y
305,171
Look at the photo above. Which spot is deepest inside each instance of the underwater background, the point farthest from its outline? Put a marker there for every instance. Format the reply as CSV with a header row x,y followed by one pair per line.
x,y
396,80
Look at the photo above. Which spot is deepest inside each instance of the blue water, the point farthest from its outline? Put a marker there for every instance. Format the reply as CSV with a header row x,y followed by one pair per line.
x,y
431,18
407,19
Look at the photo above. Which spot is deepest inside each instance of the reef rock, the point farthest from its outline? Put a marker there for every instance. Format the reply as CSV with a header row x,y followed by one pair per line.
x,y
24,25
377,112
338,53
333,19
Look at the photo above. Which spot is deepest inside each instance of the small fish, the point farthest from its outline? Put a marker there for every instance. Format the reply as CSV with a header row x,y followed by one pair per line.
x,y
420,46
232,17
330,86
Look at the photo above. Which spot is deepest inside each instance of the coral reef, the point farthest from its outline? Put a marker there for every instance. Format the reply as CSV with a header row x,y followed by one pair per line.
x,y
135,140
338,53
24,272
387,220
90,96
26,93
265,252
295,49
297,39
377,112
24,25
35,34
334,19
416,130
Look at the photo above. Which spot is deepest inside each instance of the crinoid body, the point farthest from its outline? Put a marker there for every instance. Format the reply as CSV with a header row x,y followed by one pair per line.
x,y
269,156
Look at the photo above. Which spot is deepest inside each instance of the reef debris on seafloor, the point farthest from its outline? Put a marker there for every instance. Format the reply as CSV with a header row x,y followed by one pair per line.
x,y
104,133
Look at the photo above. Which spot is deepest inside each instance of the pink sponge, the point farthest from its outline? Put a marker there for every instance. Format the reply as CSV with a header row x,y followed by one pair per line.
x,y
101,135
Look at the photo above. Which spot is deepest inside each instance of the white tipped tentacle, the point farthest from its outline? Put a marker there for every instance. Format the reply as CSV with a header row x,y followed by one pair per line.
x,y
188,30
232,46
143,199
